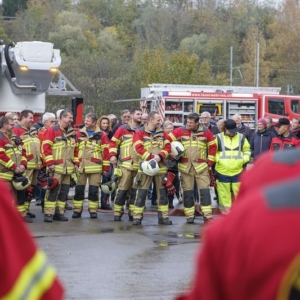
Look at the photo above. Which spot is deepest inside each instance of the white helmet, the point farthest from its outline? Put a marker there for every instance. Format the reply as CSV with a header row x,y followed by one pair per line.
x,y
109,186
177,149
150,167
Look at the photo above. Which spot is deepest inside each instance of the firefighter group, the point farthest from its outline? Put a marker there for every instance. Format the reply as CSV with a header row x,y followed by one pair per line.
x,y
125,160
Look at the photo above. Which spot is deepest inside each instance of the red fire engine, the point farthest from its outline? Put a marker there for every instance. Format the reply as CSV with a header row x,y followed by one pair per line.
x,y
175,102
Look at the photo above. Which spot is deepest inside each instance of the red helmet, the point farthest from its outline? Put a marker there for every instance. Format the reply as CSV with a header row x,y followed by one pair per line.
x,y
47,182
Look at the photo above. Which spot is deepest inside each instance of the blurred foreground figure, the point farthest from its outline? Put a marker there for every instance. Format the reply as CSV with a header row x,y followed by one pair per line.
x,y
24,271
254,252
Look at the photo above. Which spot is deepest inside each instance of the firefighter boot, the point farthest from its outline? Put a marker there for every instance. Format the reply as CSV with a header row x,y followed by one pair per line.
x,y
48,218
162,220
60,217
137,222
59,211
76,215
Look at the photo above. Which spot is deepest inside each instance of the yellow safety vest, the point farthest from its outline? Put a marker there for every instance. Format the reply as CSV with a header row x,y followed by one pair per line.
x,y
232,154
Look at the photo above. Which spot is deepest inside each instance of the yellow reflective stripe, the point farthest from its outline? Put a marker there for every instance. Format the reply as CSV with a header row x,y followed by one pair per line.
x,y
211,142
137,143
47,142
34,280
182,167
200,167
8,176
113,150
48,158
165,152
93,204
163,208
145,155
172,137
211,157
189,211
138,210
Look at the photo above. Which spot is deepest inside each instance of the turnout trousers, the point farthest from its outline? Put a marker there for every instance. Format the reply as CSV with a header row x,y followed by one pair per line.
x,y
125,187
58,195
94,180
143,182
202,180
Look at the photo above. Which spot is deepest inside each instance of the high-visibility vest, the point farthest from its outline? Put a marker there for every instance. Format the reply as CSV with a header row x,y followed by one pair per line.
x,y
232,154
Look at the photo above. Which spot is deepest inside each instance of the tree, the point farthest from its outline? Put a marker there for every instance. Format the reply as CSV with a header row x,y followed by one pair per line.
x,y
12,7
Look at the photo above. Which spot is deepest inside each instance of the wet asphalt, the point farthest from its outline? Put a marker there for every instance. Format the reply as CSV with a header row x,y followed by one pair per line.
x,y
103,259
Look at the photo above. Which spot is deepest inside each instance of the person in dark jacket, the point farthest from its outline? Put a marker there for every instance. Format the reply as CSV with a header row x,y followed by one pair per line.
x,y
242,128
125,118
261,139
270,125
206,121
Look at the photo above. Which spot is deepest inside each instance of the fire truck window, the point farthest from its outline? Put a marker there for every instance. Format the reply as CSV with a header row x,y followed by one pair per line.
x,y
295,106
276,106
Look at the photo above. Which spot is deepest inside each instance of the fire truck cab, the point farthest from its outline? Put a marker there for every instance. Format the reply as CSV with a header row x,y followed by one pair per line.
x,y
175,102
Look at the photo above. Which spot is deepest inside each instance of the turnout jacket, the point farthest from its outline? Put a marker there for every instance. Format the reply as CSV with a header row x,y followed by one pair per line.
x,y
146,145
12,155
24,270
281,143
200,148
60,148
232,154
93,151
123,138
31,143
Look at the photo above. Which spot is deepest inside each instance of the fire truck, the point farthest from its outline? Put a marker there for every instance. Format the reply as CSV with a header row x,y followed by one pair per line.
x,y
175,102
27,73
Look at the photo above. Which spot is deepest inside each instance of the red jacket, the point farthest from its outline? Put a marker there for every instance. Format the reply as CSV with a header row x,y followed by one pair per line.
x,y
281,143
253,253
143,140
60,148
18,253
4,157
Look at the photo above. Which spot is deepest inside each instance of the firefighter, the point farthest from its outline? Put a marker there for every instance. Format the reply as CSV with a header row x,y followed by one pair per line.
x,y
25,272
60,153
233,152
151,143
253,253
31,143
200,150
12,161
93,147
128,165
